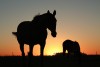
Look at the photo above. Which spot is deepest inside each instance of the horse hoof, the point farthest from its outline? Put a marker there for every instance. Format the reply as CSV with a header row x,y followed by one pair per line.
x,y
23,54
30,54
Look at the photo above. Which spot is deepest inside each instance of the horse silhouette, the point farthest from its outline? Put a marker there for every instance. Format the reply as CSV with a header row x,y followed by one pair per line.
x,y
72,47
35,32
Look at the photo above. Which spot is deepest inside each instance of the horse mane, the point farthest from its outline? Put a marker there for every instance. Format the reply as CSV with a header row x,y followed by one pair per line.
x,y
36,18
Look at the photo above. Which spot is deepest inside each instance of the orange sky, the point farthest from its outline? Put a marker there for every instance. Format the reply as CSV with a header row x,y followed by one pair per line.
x,y
76,20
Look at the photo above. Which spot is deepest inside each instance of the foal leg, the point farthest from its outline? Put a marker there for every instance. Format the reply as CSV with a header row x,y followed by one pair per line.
x,y
78,57
64,50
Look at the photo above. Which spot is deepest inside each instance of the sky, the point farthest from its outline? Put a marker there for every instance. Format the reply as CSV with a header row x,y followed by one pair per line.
x,y
77,20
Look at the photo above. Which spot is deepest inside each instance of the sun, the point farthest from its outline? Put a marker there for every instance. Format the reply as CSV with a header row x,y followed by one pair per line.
x,y
52,51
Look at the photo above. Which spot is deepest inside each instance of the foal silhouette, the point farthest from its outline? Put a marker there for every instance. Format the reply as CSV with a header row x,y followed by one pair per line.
x,y
35,32
71,47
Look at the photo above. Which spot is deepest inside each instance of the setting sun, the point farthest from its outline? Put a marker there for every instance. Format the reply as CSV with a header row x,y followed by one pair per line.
x,y
52,50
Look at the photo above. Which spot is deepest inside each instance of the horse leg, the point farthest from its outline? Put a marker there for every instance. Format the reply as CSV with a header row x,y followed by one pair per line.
x,y
21,44
22,49
23,54
42,45
30,53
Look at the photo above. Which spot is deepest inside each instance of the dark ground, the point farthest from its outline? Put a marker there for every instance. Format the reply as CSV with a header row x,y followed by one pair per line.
x,y
51,61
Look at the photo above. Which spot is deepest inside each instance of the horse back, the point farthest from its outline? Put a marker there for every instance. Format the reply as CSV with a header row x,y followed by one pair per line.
x,y
30,32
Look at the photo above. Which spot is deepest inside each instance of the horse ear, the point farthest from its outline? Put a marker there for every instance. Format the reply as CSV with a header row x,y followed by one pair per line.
x,y
48,11
54,12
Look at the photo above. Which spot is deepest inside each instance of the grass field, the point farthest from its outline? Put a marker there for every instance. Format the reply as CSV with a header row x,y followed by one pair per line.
x,y
51,61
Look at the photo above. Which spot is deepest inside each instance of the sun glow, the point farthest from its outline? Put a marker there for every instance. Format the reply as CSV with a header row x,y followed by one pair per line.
x,y
52,50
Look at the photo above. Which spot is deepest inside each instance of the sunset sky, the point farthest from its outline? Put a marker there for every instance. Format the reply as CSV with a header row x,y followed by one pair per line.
x,y
78,20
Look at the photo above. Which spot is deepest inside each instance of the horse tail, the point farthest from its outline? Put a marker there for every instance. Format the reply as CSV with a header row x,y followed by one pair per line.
x,y
14,33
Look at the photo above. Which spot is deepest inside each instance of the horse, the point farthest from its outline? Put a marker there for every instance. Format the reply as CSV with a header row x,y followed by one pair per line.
x,y
35,32
72,47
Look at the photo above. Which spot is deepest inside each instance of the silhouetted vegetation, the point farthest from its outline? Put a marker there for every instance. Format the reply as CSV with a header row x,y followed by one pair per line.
x,y
51,61
61,54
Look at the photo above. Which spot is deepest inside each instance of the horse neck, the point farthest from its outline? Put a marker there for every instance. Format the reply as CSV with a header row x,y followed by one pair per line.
x,y
40,21
41,24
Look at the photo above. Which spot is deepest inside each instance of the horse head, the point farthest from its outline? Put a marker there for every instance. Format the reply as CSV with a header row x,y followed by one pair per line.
x,y
51,22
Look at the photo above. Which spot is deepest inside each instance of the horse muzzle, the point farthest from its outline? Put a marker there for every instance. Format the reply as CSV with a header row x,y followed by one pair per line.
x,y
54,34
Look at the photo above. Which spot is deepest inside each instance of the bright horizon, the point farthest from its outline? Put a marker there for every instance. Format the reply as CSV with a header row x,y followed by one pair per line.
x,y
77,20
